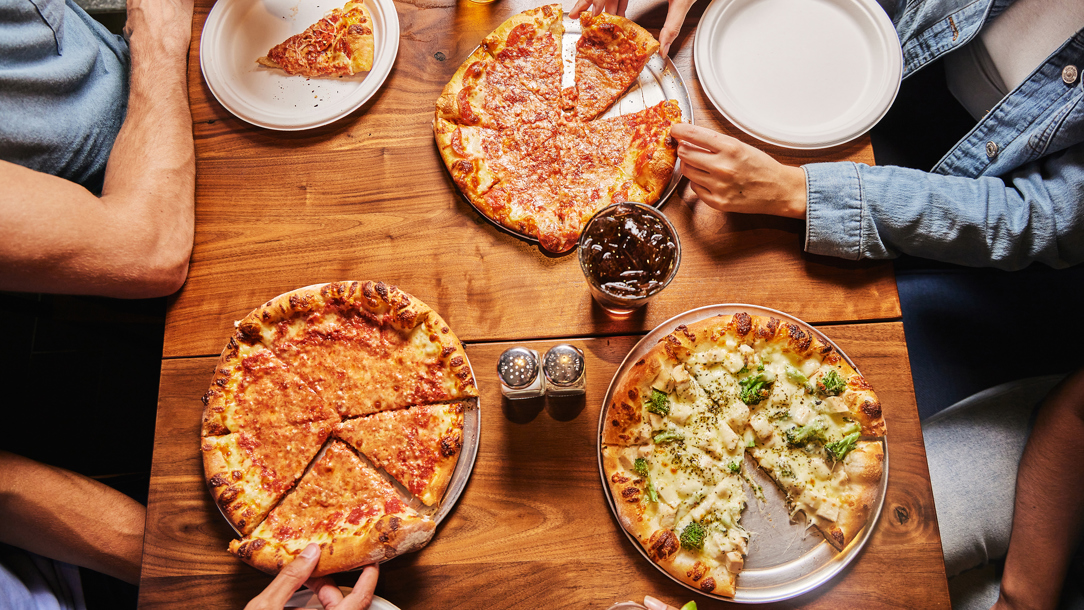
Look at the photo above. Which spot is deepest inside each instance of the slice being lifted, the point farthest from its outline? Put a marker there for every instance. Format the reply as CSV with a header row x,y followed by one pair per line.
x,y
609,57
682,417
419,446
340,44
344,506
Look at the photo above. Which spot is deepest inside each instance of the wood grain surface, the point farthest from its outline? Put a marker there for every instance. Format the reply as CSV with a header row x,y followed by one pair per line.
x,y
368,197
533,528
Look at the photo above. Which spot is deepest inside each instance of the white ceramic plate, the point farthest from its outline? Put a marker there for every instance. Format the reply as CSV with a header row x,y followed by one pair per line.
x,y
307,599
785,559
239,31
802,74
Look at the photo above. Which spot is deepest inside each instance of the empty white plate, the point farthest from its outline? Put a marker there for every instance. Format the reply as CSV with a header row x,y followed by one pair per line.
x,y
801,74
239,31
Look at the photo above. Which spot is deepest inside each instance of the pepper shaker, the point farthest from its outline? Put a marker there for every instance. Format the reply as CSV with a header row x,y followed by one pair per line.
x,y
520,373
565,371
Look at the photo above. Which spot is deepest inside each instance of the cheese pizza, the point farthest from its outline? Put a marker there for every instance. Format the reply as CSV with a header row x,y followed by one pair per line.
x,y
683,417
317,391
533,156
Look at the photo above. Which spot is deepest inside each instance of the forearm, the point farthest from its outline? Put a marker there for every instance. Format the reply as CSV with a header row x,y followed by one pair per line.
x,y
152,164
857,211
1049,511
68,517
136,239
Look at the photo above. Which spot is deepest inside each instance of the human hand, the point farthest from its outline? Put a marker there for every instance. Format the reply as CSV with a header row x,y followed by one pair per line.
x,y
655,604
613,7
731,176
297,572
675,16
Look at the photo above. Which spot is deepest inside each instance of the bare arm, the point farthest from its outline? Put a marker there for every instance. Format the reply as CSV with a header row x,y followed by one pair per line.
x,y
1049,512
66,516
135,240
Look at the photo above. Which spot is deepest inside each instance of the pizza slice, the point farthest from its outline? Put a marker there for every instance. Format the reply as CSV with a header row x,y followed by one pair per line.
x,y
610,54
364,346
262,426
418,446
340,44
344,506
683,505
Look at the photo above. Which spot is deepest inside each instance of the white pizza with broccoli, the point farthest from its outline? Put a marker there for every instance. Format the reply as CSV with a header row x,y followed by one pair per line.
x,y
682,418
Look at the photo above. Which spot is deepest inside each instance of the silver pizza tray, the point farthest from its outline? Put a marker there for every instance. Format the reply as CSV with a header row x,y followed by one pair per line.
x,y
472,427
658,81
786,558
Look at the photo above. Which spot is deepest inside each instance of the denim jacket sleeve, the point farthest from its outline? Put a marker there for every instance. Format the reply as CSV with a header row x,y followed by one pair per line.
x,y
1034,213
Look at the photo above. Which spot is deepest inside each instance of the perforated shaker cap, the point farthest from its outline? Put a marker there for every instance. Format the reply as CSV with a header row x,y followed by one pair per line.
x,y
518,367
563,365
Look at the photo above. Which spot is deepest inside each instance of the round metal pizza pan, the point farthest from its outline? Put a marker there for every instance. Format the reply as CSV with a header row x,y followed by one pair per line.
x,y
472,427
659,81
785,558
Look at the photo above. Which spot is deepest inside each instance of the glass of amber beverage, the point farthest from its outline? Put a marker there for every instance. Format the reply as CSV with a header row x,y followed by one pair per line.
x,y
628,252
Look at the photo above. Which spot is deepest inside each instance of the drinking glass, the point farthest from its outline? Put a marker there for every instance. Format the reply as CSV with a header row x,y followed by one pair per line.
x,y
629,252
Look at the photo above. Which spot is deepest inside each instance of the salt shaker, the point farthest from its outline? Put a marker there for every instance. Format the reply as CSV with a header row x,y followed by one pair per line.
x,y
565,371
520,374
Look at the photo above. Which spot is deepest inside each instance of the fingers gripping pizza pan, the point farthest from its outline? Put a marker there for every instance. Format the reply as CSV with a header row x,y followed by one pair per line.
x,y
743,453
342,414
592,138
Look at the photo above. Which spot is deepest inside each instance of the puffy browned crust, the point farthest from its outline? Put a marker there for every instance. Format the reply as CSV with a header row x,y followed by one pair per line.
x,y
609,57
545,18
463,100
661,544
391,536
461,149
865,467
357,381
340,44
624,424
627,489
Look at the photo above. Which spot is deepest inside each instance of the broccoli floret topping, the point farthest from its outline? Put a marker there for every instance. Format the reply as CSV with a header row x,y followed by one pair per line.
x,y
652,495
754,389
796,376
839,449
640,467
658,404
760,367
743,371
692,537
733,466
831,384
813,431
667,436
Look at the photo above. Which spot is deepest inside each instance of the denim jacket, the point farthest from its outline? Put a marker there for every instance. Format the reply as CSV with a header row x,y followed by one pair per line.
x,y
1010,193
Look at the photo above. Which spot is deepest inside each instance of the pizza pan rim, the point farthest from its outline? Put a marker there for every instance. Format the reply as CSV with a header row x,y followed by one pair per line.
x,y
464,467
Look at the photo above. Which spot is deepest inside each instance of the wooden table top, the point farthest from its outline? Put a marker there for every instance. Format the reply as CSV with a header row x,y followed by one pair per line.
x,y
533,528
368,198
